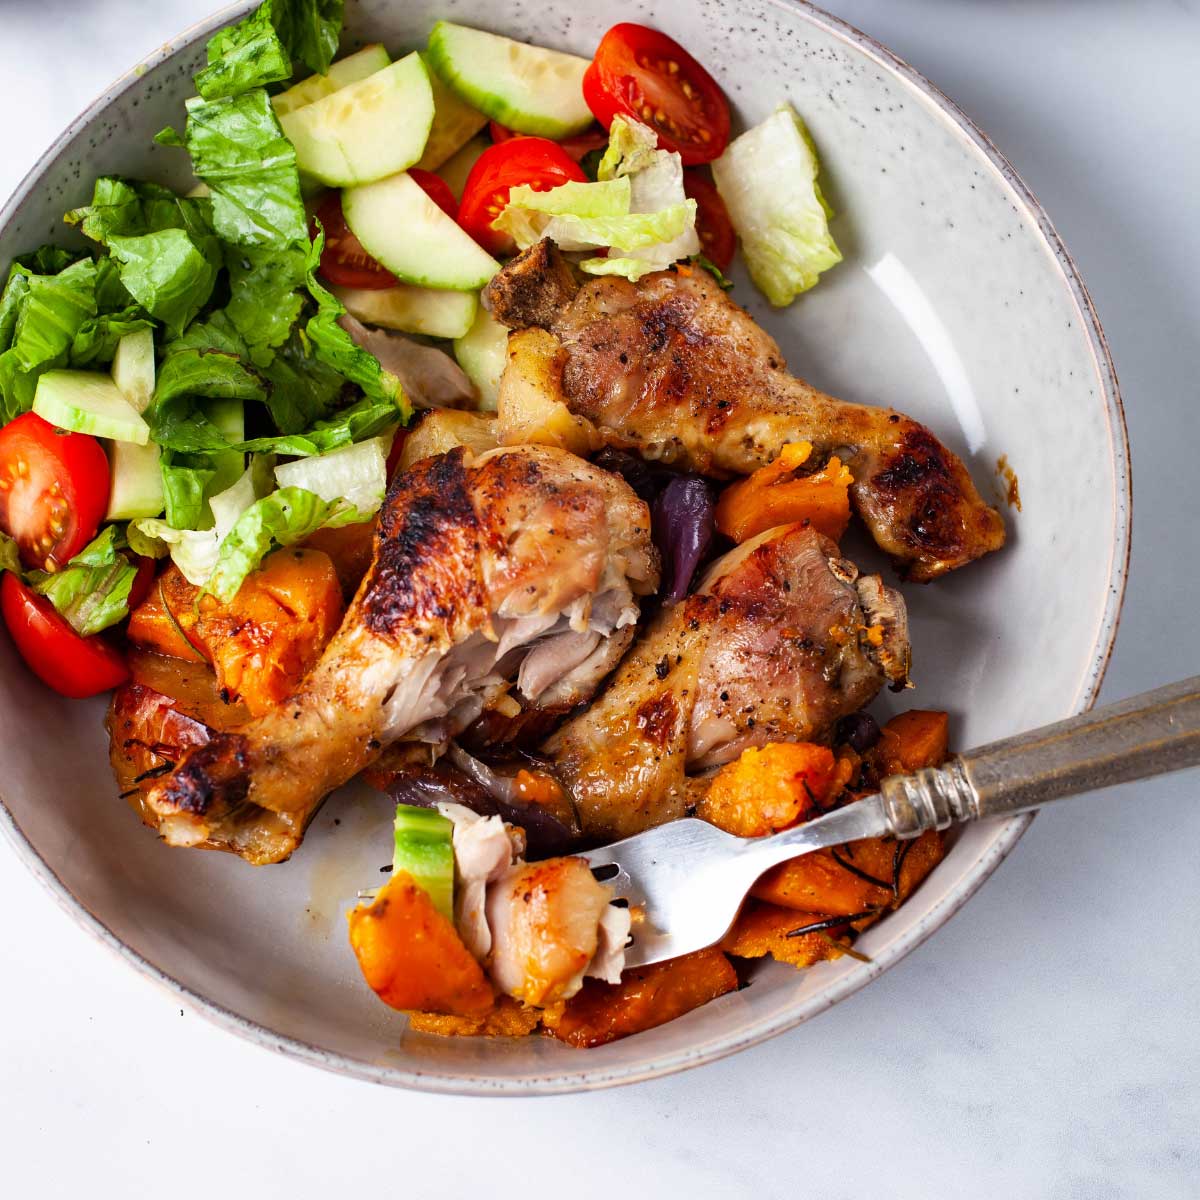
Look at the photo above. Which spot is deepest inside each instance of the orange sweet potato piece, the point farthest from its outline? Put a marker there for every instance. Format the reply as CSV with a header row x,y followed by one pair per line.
x,y
915,739
645,997
509,1018
349,548
769,788
412,956
263,641
780,494
762,929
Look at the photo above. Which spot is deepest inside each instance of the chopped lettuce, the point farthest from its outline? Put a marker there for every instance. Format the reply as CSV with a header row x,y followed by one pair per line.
x,y
97,338
303,388
265,296
186,479
637,208
336,348
239,150
166,274
366,418
768,180
48,260
92,591
356,475
44,313
10,555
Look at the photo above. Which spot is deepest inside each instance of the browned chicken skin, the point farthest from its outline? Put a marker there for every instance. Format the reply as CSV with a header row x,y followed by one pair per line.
x,y
480,565
774,646
673,368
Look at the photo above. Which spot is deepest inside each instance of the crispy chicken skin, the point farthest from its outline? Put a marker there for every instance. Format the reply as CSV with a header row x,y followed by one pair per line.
x,y
477,562
673,368
773,646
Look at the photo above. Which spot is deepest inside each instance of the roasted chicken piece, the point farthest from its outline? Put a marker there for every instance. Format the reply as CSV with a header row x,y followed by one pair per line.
x,y
482,566
775,645
673,368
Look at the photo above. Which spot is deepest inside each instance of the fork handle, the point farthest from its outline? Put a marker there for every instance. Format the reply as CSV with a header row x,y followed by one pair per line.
x,y
1147,735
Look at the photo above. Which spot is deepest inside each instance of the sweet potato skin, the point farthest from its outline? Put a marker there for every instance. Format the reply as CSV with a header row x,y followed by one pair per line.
x,y
412,956
263,641
645,997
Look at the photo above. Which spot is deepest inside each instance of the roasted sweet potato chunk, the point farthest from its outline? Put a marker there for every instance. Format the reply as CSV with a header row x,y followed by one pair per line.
x,y
263,641
412,956
349,548
782,494
915,739
507,1019
645,997
763,929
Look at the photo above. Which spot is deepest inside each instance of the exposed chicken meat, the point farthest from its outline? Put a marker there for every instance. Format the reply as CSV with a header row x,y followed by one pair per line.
x,y
476,561
545,920
429,376
774,646
673,368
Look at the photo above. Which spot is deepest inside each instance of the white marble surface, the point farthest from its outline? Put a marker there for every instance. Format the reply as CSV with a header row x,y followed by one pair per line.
x,y
1045,1044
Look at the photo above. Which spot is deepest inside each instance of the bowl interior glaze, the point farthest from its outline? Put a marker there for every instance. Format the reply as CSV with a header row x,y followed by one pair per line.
x,y
956,303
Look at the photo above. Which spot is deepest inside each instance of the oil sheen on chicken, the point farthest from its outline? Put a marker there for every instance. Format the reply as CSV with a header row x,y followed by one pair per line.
x,y
483,569
674,369
775,645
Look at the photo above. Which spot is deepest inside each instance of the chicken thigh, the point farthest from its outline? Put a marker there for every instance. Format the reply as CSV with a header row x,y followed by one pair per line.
x,y
483,568
674,369
780,640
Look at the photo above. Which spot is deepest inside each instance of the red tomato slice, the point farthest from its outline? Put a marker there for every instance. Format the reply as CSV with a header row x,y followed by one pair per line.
x,y
53,490
344,261
437,189
393,458
73,666
577,147
143,581
644,74
717,239
540,163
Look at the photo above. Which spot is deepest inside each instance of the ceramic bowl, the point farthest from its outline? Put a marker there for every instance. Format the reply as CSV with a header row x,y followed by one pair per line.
x,y
956,302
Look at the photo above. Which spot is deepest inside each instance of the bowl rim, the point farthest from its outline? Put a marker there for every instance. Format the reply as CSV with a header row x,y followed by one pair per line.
x,y
893,951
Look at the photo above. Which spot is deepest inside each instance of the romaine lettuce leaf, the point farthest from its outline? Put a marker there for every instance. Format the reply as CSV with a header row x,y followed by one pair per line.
x,y
92,591
48,260
186,479
239,150
355,475
166,274
303,387
97,338
10,556
768,180
336,348
49,312
15,291
265,300
260,48
366,418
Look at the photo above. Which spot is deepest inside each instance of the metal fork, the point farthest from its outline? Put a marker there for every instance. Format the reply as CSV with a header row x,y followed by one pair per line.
x,y
690,878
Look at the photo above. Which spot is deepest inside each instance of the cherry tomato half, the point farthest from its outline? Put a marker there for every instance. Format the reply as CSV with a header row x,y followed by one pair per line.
x,y
143,581
539,162
717,239
73,666
646,75
53,490
576,147
344,261
437,189
393,458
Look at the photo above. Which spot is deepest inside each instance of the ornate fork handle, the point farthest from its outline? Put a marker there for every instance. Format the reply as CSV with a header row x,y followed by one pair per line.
x,y
1147,735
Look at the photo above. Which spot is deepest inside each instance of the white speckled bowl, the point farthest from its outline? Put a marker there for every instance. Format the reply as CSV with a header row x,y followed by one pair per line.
x,y
957,302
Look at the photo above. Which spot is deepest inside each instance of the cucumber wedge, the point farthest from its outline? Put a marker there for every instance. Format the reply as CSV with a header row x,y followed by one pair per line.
x,y
403,229
409,309
133,368
342,73
87,402
425,850
482,352
527,88
137,488
366,130
456,168
454,123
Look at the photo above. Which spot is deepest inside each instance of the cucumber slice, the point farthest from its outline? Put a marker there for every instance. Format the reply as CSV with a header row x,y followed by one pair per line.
x,y
425,850
403,229
456,169
527,88
342,73
137,487
482,352
366,130
133,368
87,402
229,416
411,309
454,123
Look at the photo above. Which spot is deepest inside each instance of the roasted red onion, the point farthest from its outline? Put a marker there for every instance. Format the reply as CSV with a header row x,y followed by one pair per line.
x,y
682,523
